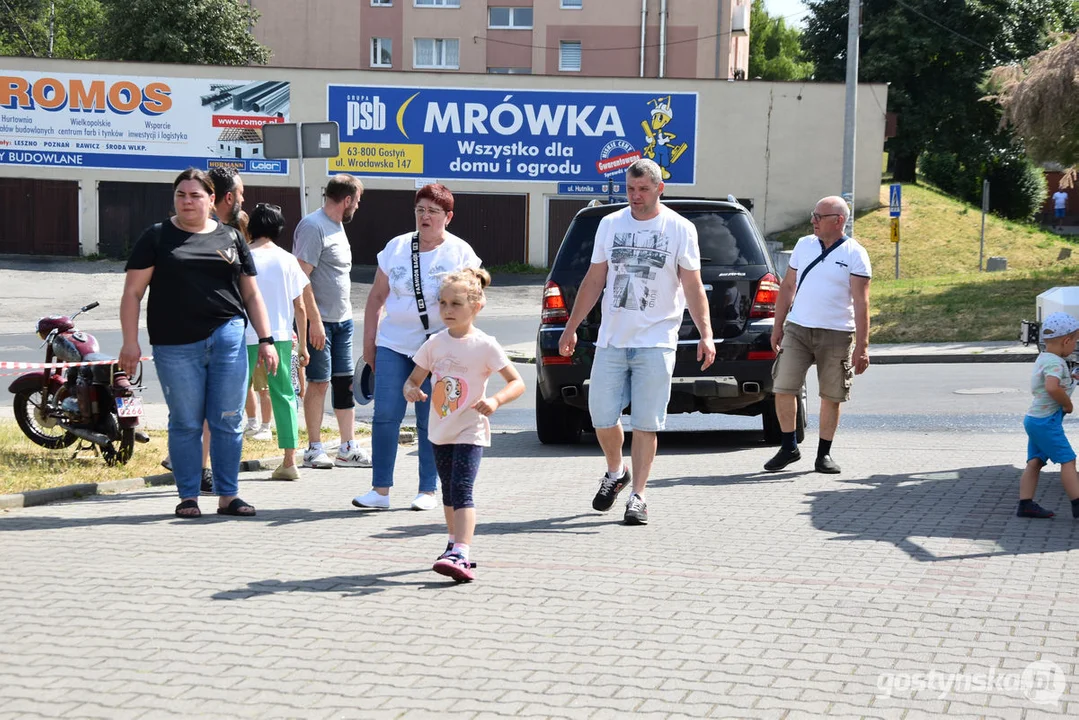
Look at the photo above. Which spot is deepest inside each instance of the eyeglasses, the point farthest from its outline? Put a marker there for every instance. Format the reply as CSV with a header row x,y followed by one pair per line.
x,y
428,211
817,217
268,206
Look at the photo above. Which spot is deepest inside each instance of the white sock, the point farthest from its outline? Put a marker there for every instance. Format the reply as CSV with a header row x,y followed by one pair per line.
x,y
620,474
314,446
252,423
462,548
266,426
345,448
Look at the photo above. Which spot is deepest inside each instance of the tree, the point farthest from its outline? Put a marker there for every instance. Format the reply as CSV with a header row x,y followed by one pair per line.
x,y
935,54
210,32
1040,100
50,28
775,50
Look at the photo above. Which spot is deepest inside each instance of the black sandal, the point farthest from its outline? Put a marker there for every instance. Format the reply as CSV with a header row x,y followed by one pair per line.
x,y
238,508
187,505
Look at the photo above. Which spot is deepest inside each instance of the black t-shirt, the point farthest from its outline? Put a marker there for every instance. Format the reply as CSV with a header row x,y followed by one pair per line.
x,y
195,287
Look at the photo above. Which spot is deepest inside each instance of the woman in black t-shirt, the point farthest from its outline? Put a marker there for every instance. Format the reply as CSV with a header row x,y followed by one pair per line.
x,y
202,291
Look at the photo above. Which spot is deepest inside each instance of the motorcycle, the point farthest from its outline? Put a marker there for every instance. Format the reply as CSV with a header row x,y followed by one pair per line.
x,y
96,404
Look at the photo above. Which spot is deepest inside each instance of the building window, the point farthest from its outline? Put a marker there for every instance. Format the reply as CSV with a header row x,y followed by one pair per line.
x,y
437,3
509,71
509,18
436,53
381,3
572,4
381,52
569,56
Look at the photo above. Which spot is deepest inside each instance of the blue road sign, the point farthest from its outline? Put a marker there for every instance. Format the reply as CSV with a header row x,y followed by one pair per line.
x,y
895,200
588,188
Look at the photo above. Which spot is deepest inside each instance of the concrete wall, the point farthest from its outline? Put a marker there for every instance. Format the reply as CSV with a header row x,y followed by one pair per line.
x,y
778,143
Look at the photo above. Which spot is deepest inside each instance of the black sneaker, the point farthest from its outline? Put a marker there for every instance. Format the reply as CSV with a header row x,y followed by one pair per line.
x,y
782,459
1034,510
207,481
825,464
636,511
608,490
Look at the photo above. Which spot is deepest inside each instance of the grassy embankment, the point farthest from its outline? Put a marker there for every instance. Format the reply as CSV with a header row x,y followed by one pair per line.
x,y
940,296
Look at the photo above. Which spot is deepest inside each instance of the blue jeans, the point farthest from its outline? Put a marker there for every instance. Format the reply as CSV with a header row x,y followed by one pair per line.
x,y
638,377
335,358
205,380
391,371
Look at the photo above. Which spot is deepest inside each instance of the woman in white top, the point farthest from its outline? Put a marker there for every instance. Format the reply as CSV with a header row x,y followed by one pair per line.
x,y
394,328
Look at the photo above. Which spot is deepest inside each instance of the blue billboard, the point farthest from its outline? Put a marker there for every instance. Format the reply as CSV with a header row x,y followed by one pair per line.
x,y
511,135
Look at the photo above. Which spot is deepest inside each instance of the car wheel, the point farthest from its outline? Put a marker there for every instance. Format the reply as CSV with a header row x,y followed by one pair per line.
x,y
773,435
557,423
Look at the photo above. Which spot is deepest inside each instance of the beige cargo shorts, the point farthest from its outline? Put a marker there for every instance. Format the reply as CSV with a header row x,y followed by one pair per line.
x,y
832,351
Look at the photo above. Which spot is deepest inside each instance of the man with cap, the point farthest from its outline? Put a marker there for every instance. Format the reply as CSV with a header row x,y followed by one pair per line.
x,y
1051,384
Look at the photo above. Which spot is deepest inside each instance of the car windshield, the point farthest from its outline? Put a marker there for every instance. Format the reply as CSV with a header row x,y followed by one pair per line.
x,y
725,238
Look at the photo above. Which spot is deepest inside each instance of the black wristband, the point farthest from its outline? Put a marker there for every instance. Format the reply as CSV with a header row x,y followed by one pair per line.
x,y
267,340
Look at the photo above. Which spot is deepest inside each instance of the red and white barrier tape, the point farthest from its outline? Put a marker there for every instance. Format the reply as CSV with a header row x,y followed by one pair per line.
x,y
9,365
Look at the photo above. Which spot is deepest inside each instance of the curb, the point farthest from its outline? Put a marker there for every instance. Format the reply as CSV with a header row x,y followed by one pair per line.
x,y
951,359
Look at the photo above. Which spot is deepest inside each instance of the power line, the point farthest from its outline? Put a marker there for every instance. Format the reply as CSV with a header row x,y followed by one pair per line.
x,y
945,27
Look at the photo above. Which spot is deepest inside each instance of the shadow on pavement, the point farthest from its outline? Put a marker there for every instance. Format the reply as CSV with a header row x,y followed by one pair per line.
x,y
524,443
561,525
956,514
273,517
346,585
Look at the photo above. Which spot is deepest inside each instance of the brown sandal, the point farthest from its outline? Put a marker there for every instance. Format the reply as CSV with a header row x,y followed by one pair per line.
x,y
188,505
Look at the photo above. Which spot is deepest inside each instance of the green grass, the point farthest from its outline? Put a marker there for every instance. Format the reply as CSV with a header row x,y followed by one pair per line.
x,y
515,268
940,296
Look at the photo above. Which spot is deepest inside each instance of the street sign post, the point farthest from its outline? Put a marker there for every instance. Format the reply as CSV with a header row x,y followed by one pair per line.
x,y
895,200
301,140
895,239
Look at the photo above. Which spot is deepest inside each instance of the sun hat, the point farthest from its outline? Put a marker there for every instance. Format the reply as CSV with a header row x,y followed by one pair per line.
x,y
363,382
1058,324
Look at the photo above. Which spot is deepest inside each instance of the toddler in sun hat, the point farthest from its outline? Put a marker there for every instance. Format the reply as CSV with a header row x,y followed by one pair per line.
x,y
1051,384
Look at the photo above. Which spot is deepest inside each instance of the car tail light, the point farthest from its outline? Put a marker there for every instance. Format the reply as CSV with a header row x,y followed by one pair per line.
x,y
554,305
555,360
761,355
764,304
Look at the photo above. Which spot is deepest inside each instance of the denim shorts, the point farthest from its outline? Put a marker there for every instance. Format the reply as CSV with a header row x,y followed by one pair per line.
x,y
335,358
638,377
1046,440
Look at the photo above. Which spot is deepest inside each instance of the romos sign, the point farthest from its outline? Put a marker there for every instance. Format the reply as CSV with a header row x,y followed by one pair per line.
x,y
519,135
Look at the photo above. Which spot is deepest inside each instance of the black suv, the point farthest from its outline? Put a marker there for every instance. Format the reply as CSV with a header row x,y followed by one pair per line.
x,y
741,285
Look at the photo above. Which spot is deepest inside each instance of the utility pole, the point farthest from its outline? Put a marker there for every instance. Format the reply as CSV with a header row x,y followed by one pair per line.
x,y
849,117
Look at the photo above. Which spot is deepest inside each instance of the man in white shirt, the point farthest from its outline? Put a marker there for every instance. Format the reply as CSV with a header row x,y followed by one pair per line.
x,y
822,318
647,259
1060,207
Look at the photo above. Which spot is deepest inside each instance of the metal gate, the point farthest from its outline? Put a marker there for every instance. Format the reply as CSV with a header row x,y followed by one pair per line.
x,y
41,217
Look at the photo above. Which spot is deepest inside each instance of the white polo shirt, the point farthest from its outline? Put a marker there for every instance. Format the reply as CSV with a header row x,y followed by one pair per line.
x,y
824,298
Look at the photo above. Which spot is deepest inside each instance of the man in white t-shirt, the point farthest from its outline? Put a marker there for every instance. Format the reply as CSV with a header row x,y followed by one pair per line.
x,y
822,318
647,264
1060,207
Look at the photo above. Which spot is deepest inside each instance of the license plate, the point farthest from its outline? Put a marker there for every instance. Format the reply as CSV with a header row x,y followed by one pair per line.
x,y
129,407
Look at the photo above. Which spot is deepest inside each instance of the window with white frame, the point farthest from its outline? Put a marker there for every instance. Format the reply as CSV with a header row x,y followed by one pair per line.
x,y
509,71
436,53
381,52
572,4
436,3
509,18
569,56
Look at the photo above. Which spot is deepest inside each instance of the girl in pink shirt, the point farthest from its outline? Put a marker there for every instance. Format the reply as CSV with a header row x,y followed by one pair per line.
x,y
460,359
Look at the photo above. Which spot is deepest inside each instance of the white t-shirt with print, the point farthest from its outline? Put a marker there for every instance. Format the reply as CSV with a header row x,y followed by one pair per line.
x,y
824,298
400,328
459,370
280,281
1060,199
643,302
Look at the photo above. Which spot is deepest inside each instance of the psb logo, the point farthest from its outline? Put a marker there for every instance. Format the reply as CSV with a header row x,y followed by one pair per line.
x,y
366,114
1042,682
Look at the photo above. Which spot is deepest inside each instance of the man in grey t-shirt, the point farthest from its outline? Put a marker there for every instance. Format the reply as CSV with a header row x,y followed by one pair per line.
x,y
322,247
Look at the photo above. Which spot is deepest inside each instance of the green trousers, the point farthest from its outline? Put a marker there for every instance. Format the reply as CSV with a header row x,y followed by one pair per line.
x,y
282,395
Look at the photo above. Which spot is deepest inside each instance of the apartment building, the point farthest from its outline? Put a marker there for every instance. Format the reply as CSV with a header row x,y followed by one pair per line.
x,y
594,38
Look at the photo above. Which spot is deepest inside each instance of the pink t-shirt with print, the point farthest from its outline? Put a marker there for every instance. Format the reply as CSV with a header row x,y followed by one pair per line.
x,y
459,370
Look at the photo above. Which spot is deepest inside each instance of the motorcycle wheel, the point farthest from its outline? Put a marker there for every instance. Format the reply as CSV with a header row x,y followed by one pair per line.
x,y
119,452
28,406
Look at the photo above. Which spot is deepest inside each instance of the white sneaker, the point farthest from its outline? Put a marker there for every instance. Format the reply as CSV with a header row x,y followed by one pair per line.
x,y
262,435
251,428
356,457
424,501
372,500
317,459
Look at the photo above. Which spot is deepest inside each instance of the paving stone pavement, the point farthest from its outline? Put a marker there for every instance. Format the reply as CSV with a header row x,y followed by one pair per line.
x,y
904,587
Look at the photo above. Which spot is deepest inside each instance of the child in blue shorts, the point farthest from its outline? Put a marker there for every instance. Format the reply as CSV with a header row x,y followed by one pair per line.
x,y
1051,384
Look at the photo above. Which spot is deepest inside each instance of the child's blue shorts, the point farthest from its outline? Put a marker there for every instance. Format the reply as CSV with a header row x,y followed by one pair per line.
x,y
1046,440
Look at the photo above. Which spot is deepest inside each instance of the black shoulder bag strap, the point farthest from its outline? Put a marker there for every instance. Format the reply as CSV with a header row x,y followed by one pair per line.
x,y
417,284
819,259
